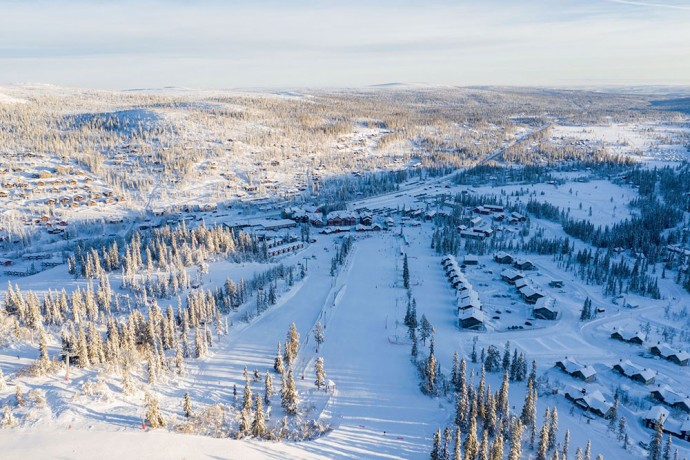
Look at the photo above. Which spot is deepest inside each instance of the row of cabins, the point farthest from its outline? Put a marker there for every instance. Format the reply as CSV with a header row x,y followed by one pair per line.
x,y
332,219
498,213
678,428
662,350
504,258
469,307
476,233
284,249
544,306
666,395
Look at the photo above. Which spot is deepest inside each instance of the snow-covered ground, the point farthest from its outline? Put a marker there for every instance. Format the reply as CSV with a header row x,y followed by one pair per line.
x,y
374,408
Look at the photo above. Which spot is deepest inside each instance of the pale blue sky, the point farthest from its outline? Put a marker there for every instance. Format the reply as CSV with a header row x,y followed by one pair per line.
x,y
235,44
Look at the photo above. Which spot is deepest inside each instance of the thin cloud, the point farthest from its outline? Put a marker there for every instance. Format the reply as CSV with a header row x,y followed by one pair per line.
x,y
653,5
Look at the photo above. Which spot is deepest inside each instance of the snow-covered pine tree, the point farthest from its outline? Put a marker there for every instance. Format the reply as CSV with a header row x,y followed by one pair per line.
x,y
153,413
8,420
187,405
566,444
293,341
447,438
516,442
415,350
18,396
471,442
502,404
542,450
425,329
668,449
455,371
457,453
319,335
578,453
484,447
278,365
553,428
320,374
259,424
406,273
290,398
268,388
247,395
436,451
44,360
496,452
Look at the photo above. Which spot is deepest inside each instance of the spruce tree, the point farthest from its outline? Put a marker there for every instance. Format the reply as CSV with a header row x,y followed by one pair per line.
x,y
319,335
622,428
566,444
446,443
320,374
153,413
278,365
516,442
18,396
497,447
415,350
43,348
668,449
471,442
259,425
503,402
406,273
553,428
187,405
268,388
543,440
436,448
290,398
457,454
247,396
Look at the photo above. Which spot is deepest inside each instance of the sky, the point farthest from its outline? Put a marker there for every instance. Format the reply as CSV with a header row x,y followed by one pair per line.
x,y
129,44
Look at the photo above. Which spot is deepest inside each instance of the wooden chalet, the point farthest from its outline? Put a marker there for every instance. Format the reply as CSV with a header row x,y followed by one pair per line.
x,y
545,308
593,402
503,258
682,358
577,370
634,372
629,337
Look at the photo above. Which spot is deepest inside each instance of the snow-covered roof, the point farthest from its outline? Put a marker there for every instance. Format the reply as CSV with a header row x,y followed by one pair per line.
x,y
472,313
628,336
511,274
655,412
522,282
529,291
665,351
596,400
630,370
572,366
547,303
671,397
